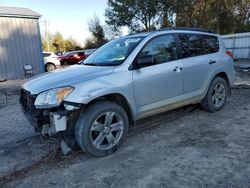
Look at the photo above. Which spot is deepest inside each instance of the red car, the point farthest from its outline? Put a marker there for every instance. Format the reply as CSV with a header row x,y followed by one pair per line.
x,y
72,58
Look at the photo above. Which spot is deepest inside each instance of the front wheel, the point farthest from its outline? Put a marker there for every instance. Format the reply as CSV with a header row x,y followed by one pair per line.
x,y
216,96
101,128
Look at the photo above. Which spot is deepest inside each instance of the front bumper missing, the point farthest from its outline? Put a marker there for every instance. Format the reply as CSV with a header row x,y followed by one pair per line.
x,y
57,123
46,121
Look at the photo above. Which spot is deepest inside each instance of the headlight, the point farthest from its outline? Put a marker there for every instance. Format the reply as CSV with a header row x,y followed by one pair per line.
x,y
52,98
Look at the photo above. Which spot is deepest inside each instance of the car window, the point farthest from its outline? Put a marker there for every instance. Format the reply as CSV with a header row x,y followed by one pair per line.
x,y
210,44
114,52
197,44
46,54
162,49
72,54
191,45
81,53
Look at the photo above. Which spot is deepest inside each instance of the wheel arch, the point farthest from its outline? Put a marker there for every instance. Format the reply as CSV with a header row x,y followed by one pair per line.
x,y
120,100
225,77
49,63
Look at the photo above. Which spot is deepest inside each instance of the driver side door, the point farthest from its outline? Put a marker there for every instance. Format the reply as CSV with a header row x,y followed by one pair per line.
x,y
160,83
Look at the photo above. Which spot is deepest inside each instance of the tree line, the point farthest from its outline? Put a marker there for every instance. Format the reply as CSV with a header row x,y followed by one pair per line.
x,y
57,43
220,16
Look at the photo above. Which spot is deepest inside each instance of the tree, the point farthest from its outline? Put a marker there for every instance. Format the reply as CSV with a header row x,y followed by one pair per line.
x,y
45,45
98,37
58,42
110,33
222,16
90,43
71,45
136,14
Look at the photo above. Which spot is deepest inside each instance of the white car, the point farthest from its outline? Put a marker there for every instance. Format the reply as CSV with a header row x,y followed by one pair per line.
x,y
51,61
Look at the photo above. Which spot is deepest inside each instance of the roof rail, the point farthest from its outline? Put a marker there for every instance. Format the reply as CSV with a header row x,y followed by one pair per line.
x,y
186,28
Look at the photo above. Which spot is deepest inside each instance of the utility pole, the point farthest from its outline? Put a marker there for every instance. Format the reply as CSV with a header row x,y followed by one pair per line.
x,y
46,32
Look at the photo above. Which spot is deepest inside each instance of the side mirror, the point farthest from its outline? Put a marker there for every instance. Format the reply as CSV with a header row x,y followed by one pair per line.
x,y
145,61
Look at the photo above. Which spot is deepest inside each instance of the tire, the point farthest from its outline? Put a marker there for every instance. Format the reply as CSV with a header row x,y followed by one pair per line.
x,y
97,134
64,63
216,96
50,67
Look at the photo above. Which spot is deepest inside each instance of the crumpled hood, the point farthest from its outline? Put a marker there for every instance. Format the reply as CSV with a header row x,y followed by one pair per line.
x,y
65,77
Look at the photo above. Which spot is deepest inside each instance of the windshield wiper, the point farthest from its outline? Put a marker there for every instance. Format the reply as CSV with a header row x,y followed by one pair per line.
x,y
91,64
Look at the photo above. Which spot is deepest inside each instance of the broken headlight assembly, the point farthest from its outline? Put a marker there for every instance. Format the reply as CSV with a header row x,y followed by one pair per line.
x,y
52,98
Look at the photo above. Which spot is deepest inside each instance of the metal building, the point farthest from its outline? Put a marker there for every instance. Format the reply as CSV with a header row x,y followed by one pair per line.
x,y
20,42
239,44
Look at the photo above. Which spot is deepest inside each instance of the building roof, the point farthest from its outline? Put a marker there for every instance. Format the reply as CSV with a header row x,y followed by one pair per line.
x,y
18,12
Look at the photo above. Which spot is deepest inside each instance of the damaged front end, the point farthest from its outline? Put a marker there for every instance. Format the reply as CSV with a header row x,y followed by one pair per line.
x,y
49,118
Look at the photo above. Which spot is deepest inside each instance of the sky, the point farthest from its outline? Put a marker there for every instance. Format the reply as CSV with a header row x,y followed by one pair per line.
x,y
69,17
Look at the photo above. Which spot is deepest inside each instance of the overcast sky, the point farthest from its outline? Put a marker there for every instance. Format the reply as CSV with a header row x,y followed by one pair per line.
x,y
70,17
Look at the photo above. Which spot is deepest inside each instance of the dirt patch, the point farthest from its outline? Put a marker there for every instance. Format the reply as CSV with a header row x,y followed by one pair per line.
x,y
186,147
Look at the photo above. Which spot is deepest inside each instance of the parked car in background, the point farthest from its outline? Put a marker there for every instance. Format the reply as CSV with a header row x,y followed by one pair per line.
x,y
59,53
89,51
72,58
51,61
128,79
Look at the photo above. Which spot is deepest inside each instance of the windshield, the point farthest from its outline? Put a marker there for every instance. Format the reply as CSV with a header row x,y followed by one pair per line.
x,y
113,53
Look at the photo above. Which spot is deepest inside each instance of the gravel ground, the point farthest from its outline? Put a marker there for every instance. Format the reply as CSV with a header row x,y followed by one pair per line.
x,y
13,125
184,148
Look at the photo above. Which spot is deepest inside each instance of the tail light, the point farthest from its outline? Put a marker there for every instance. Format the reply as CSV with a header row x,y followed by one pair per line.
x,y
230,54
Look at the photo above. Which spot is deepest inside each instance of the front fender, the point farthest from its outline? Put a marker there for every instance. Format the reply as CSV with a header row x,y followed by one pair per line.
x,y
89,91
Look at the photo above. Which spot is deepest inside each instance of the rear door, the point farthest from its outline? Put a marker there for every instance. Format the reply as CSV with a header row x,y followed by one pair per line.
x,y
155,85
197,62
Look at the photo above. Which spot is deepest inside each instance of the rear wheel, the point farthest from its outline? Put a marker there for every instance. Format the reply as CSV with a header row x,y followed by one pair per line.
x,y
216,96
50,67
101,128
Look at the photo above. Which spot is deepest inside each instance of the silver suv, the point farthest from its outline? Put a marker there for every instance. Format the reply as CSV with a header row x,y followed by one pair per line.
x,y
127,79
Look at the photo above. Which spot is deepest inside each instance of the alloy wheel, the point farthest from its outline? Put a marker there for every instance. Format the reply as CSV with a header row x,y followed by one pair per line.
x,y
219,95
106,131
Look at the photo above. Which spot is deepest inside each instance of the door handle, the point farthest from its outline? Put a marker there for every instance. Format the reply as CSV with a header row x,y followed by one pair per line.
x,y
177,69
212,62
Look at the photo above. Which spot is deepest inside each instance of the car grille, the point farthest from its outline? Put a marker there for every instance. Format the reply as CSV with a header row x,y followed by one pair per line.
x,y
33,115
27,101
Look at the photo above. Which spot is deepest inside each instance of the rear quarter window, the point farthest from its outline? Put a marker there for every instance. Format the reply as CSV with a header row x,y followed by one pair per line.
x,y
197,44
211,43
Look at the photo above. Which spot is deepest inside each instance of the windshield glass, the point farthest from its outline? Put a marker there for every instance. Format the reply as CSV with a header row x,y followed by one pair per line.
x,y
114,52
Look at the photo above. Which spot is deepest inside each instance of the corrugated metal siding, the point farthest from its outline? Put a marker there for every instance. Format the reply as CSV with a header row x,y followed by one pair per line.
x,y
19,45
239,44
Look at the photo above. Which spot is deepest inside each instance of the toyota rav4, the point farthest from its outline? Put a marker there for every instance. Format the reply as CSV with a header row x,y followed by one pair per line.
x,y
127,79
